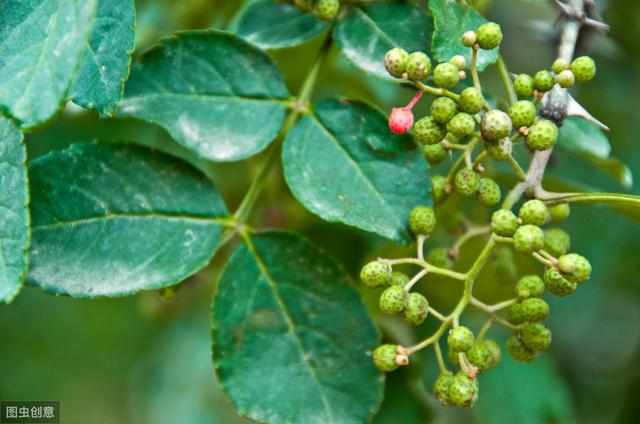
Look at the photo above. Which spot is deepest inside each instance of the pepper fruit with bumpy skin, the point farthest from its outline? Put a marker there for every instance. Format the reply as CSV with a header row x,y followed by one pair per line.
x,y
522,113
428,131
518,351
460,339
443,109
384,357
583,68
393,300
416,309
524,86
395,62
375,274
422,220
504,223
434,153
575,267
463,390
557,284
489,36
495,125
489,192
466,182
418,66
529,286
543,81
534,212
461,125
542,135
471,100
528,239
446,75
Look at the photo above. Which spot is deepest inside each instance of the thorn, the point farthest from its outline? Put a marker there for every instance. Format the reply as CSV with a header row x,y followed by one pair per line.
x,y
600,26
575,109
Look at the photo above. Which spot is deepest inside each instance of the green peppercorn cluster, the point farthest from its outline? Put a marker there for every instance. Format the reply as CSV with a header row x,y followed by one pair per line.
x,y
396,297
322,9
564,271
462,120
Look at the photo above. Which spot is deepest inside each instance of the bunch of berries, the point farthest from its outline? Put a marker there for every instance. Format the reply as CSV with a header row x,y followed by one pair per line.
x,y
462,121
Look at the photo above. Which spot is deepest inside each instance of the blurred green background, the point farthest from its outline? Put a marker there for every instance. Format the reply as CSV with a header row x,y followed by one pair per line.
x,y
146,359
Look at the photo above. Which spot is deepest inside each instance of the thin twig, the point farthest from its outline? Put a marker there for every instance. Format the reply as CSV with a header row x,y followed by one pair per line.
x,y
420,246
415,279
437,314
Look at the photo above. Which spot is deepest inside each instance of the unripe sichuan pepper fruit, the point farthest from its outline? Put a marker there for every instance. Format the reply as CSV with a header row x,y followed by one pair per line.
x,y
458,125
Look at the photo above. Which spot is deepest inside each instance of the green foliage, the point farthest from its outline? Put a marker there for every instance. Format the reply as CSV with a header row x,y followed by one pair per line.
x,y
197,86
286,328
586,140
292,340
105,64
271,24
372,185
151,225
14,213
369,31
41,45
451,20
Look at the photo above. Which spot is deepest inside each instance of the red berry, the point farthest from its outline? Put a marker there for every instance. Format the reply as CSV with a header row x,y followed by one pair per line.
x,y
401,120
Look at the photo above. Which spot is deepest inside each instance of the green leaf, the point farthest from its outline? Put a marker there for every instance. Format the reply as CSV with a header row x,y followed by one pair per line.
x,y
524,394
612,167
105,66
111,220
292,341
451,20
271,24
579,136
344,164
41,44
582,138
212,91
14,212
369,31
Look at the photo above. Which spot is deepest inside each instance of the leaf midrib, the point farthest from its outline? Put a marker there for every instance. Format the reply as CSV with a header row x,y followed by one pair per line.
x,y
290,323
214,97
130,215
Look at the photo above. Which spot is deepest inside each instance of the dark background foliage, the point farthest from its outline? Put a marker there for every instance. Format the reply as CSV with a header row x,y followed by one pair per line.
x,y
147,358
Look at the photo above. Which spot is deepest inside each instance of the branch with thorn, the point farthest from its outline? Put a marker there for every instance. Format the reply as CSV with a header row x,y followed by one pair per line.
x,y
557,104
